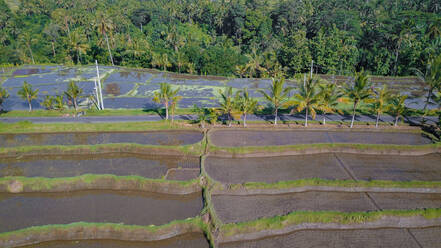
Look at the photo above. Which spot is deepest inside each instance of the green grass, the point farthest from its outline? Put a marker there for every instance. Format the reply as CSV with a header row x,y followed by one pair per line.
x,y
89,112
194,149
303,147
29,127
169,227
299,217
337,183
42,183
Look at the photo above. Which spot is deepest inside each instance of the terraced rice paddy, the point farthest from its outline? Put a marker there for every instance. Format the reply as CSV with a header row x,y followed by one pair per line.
x,y
222,197
133,88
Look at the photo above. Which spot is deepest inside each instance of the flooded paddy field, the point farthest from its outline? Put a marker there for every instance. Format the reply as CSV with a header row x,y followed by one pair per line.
x,y
232,208
191,240
120,164
366,238
130,88
238,138
19,211
331,166
90,138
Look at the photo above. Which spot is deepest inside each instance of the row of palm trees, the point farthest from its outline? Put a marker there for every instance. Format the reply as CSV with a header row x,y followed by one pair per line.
x,y
312,97
27,93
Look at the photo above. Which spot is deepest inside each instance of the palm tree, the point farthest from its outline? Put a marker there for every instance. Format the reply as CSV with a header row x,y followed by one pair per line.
x,y
432,77
27,93
59,105
165,61
165,96
358,91
330,95
307,99
156,60
227,103
78,43
379,103
397,107
48,102
105,27
278,95
254,64
245,104
73,93
27,39
204,115
174,103
3,95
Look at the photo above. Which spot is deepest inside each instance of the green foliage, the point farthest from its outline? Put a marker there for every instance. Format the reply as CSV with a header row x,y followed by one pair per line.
x,y
245,104
330,96
358,91
73,93
278,95
205,115
307,99
27,93
397,107
227,105
48,102
380,102
168,97
3,95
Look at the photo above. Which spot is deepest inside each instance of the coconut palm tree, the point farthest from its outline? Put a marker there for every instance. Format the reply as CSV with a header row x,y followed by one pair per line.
x,y
165,61
330,96
358,91
397,107
48,102
307,99
27,39
3,95
278,95
73,93
174,103
27,93
432,77
105,26
227,103
78,43
379,103
165,96
245,104
59,104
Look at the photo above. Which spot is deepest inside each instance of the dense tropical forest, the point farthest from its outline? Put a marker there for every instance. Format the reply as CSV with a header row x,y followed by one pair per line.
x,y
244,38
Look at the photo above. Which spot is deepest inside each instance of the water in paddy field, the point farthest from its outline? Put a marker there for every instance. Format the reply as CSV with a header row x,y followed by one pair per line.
x,y
19,211
133,88
166,138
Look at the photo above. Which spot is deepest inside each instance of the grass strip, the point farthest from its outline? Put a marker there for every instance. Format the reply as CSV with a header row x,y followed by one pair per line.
x,y
193,149
138,182
29,127
303,147
169,227
299,217
337,183
89,112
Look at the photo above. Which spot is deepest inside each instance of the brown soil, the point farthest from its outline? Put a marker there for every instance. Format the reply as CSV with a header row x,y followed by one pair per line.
x,y
231,208
146,138
397,168
273,169
191,240
428,237
121,164
182,174
235,138
406,200
371,238
18,211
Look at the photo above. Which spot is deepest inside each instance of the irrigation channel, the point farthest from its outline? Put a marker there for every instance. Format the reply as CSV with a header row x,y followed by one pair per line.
x,y
221,188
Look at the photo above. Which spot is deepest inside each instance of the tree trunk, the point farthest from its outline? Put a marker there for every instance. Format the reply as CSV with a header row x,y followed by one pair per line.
x,y
229,119
108,48
172,116
166,110
245,120
306,117
30,104
429,95
75,103
78,57
378,118
275,118
53,48
353,114
203,124
324,119
396,120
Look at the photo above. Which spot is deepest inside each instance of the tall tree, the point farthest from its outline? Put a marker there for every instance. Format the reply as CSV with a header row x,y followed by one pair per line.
x,y
27,93
330,95
278,95
307,99
397,107
245,104
27,40
432,77
105,27
174,103
78,44
380,102
358,91
227,103
73,93
165,96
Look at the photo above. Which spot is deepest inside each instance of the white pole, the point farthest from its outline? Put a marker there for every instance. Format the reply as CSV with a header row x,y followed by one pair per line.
x,y
96,96
99,85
